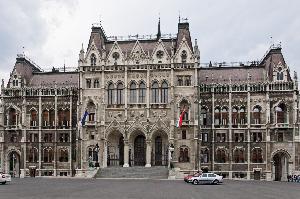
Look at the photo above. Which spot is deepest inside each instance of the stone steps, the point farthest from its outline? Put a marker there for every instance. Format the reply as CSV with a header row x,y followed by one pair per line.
x,y
156,172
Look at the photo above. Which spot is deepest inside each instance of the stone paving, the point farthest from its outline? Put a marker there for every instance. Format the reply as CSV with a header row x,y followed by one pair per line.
x,y
46,188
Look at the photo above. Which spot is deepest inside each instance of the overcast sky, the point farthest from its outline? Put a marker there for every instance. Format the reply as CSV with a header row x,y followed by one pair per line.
x,y
52,31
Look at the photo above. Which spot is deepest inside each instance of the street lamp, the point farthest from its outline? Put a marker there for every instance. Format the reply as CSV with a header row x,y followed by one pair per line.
x,y
97,150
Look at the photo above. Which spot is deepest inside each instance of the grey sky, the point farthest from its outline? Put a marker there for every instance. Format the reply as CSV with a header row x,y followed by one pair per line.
x,y
229,30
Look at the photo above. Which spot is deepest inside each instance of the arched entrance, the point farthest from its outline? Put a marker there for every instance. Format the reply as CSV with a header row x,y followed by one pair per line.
x,y
115,149
280,166
160,149
14,164
140,150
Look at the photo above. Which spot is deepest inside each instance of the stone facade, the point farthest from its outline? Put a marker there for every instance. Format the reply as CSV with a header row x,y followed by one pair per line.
x,y
128,95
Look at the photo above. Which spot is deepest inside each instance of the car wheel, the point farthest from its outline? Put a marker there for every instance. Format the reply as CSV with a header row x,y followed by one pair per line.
x,y
3,182
215,181
195,182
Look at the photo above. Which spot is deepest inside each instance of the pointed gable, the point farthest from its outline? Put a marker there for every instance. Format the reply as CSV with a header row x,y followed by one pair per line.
x,y
115,56
184,52
160,53
137,55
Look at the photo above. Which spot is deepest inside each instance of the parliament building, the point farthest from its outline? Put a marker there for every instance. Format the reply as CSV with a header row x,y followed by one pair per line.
x,y
121,105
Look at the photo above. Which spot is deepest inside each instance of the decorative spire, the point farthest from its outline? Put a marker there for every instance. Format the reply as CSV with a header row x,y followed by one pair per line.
x,y
158,29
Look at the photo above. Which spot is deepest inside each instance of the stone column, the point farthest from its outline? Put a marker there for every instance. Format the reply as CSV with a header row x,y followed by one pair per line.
x,y
148,154
105,154
126,154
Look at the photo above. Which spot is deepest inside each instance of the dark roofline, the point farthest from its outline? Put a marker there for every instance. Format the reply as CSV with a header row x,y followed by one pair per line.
x,y
141,41
231,67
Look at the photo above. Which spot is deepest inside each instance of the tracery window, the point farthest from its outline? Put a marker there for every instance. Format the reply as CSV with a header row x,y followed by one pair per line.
x,y
155,92
142,92
132,94
33,116
93,59
184,154
234,116
96,83
281,113
217,116
256,114
183,56
242,116
110,93
120,93
48,155
164,92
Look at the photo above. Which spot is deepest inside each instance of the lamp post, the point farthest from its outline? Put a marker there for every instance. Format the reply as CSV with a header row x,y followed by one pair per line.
x,y
97,150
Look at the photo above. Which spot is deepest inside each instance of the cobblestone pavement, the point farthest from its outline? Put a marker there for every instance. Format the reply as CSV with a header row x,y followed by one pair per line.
x,y
144,189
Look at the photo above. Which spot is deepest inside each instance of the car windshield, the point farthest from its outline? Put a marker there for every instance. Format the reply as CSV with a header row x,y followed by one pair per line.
x,y
196,174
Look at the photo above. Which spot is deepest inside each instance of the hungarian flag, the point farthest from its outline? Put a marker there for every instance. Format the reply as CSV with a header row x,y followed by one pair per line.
x,y
179,123
82,121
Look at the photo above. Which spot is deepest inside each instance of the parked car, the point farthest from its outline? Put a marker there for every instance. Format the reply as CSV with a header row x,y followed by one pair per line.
x,y
189,177
207,178
4,178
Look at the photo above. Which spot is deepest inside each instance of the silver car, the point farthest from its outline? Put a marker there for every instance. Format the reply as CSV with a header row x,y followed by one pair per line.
x,y
207,178
4,178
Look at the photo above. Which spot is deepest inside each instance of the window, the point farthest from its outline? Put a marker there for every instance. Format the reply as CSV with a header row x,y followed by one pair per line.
x,y
33,121
91,117
110,93
48,155
142,92
280,137
257,155
155,95
203,116
48,137
280,113
204,158
12,117
116,56
217,116
224,116
184,154
164,92
66,122
239,156
204,137
132,94
159,54
88,83
96,83
183,56
280,74
187,81
256,114
183,134
239,137
33,155
221,137
93,59
93,156
64,137
180,80
221,156
52,118
234,116
120,93
242,116
256,136
45,118
63,155
33,137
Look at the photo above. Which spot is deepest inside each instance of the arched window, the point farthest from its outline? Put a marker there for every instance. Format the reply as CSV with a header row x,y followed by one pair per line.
x,y
12,117
92,111
60,117
257,155
164,92
45,118
221,156
48,155
67,118
280,113
110,94
242,116
224,116
120,93
33,115
234,116
132,94
183,56
88,83
142,92
239,156
93,155
33,155
184,154
63,156
96,83
155,92
217,116
93,59
204,116
204,155
256,114
280,74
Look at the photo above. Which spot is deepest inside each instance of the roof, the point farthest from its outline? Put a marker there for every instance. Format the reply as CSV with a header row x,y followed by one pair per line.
x,y
56,78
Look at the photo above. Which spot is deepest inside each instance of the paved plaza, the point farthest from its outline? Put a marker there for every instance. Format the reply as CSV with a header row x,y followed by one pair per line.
x,y
137,189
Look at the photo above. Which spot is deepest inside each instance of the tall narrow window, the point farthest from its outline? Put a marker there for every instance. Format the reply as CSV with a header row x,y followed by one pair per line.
x,y
45,118
155,95
239,156
120,93
110,94
204,116
204,155
234,116
52,118
33,121
280,74
93,59
256,114
221,156
88,83
217,116
183,56
12,117
242,116
224,116
132,95
280,113
164,92
142,92
257,155
96,83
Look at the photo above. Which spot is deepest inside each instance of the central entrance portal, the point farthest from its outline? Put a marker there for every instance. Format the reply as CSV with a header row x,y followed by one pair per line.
x,y
139,151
